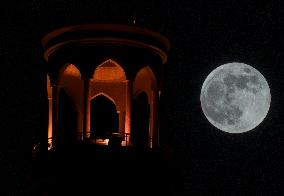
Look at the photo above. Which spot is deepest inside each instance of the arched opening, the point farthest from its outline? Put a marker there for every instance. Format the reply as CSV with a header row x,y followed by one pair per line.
x,y
109,71
140,121
145,81
67,119
104,117
119,71
71,86
109,80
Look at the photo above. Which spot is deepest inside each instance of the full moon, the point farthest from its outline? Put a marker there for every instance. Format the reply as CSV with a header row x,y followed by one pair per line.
x,y
235,97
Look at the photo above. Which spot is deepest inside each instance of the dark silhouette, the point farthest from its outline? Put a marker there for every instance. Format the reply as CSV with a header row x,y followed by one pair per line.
x,y
67,118
140,121
104,118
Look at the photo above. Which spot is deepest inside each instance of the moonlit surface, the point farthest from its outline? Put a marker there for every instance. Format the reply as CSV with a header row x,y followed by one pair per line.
x,y
235,97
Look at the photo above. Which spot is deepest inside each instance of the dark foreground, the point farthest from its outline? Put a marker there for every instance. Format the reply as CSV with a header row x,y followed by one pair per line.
x,y
100,170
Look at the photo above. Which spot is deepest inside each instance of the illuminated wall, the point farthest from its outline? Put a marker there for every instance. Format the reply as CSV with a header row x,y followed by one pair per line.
x,y
70,80
49,96
145,81
135,55
109,79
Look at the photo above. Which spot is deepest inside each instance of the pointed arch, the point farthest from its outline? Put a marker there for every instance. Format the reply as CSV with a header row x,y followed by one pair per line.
x,y
70,80
104,116
105,95
71,83
146,81
109,71
68,70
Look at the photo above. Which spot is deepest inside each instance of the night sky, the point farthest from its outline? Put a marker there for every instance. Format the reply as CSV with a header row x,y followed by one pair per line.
x,y
203,34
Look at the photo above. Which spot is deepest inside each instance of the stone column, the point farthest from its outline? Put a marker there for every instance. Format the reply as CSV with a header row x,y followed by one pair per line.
x,y
55,114
50,124
86,109
155,119
128,111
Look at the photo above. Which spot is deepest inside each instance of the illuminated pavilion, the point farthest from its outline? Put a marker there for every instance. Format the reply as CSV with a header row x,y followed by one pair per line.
x,y
104,84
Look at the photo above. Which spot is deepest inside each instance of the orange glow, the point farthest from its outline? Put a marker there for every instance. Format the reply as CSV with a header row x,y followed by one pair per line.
x,y
88,110
50,118
71,70
126,141
70,80
102,141
128,109
145,80
106,61
109,80
49,95
106,95
49,144
109,71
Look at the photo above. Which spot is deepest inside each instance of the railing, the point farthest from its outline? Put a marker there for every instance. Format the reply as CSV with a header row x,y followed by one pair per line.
x,y
121,139
104,139
49,143
150,142
36,147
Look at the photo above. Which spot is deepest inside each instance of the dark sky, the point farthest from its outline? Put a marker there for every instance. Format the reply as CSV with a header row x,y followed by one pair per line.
x,y
204,34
